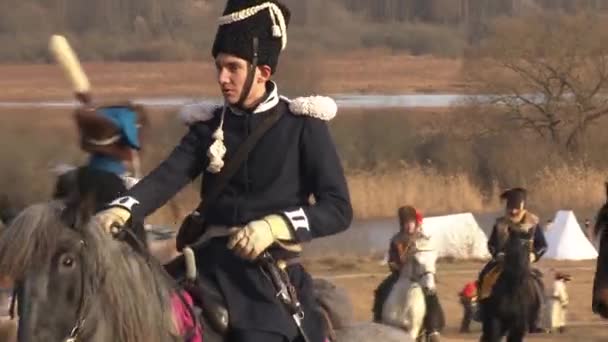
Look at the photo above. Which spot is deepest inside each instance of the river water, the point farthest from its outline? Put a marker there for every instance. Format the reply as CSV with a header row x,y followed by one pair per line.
x,y
343,101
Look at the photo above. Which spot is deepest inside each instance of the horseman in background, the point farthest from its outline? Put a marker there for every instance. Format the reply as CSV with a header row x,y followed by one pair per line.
x,y
112,136
254,225
516,218
409,250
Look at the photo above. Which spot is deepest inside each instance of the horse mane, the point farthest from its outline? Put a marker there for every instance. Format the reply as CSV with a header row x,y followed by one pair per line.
x,y
29,238
135,290
127,290
517,262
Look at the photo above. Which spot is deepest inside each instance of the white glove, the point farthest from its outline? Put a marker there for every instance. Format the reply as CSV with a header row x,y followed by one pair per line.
x,y
112,218
253,239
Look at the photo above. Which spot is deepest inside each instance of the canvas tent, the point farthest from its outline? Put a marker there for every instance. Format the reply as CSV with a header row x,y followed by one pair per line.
x,y
458,236
566,239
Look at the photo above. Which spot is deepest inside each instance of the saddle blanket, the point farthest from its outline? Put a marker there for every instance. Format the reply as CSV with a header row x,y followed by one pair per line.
x,y
185,322
488,281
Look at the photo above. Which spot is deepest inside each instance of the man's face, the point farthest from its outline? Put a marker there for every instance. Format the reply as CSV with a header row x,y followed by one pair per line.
x,y
515,211
409,227
232,76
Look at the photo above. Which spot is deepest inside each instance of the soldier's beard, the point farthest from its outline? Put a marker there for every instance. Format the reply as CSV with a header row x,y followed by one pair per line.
x,y
518,216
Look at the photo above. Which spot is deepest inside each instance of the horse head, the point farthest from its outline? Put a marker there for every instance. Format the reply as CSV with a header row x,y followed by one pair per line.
x,y
517,251
79,283
46,259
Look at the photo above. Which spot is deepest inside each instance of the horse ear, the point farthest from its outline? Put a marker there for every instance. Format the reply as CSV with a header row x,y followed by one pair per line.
x,y
86,209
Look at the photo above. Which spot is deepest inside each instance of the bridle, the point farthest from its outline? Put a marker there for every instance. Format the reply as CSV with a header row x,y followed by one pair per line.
x,y
76,330
82,304
81,314
121,234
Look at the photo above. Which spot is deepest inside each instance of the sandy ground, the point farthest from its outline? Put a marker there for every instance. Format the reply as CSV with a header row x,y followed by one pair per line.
x,y
361,276
364,72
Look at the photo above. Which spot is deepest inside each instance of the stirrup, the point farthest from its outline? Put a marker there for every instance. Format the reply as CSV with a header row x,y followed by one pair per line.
x,y
434,336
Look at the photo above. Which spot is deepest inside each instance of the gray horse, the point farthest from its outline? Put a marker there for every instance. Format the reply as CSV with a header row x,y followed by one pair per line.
x,y
79,283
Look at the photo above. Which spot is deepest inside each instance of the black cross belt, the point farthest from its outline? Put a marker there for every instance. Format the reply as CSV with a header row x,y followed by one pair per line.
x,y
285,290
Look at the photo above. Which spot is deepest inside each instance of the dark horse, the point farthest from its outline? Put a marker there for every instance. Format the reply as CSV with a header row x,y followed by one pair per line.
x,y
600,282
513,301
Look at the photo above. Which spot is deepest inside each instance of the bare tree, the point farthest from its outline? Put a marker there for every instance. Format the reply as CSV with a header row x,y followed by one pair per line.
x,y
548,73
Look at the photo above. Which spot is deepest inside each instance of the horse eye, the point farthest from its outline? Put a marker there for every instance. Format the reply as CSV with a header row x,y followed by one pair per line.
x,y
67,262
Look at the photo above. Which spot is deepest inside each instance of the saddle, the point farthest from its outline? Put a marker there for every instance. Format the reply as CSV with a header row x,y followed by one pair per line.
x,y
205,294
490,278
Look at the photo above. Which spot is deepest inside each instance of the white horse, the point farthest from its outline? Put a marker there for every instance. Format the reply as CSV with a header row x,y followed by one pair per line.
x,y
405,306
336,306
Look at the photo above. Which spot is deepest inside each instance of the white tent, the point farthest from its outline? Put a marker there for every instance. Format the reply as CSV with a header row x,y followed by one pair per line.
x,y
458,236
566,240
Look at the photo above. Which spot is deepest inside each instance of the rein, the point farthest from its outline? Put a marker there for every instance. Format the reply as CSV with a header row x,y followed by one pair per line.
x,y
124,234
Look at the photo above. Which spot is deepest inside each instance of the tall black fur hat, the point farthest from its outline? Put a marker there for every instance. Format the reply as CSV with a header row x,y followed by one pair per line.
x,y
245,19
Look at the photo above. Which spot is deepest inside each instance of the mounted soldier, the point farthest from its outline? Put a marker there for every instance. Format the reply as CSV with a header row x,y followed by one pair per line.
x,y
411,256
516,219
399,244
262,157
112,137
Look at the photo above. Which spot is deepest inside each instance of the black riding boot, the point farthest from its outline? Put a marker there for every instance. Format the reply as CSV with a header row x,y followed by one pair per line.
x,y
536,324
434,320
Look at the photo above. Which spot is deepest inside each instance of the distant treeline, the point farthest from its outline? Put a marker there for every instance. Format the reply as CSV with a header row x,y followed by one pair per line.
x,y
151,30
